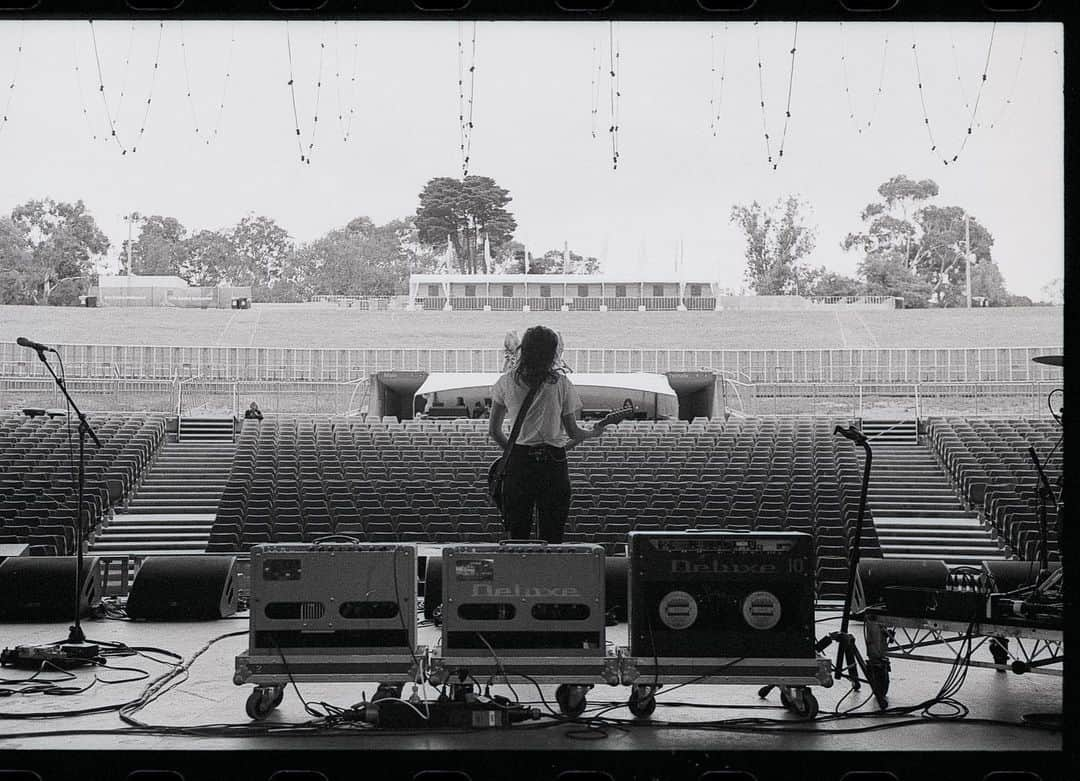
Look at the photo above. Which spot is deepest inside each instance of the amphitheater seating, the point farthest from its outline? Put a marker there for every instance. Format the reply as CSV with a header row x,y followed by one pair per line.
x,y
384,480
38,476
988,459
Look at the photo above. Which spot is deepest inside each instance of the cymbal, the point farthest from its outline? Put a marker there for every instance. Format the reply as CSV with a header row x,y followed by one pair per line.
x,y
1050,360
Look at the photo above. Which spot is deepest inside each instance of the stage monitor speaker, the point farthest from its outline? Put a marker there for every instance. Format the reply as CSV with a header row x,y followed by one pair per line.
x,y
1005,576
184,588
873,575
40,588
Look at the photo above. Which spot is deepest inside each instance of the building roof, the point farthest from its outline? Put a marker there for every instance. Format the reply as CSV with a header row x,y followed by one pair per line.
x,y
441,382
548,279
135,280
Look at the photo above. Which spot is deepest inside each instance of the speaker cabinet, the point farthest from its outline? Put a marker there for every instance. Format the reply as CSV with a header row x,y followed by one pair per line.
x,y
42,588
184,588
873,575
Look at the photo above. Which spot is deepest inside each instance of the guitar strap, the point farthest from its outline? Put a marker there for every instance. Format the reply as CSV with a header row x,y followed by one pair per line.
x,y
516,429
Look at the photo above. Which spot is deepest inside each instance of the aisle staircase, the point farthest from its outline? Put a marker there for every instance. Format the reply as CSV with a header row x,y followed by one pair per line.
x,y
917,512
173,508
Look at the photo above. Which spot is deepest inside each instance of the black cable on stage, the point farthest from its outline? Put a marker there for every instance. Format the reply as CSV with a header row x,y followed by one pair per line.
x,y
847,90
14,78
978,95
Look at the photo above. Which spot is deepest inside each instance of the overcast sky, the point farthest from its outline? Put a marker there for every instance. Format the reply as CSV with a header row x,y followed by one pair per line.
x,y
533,118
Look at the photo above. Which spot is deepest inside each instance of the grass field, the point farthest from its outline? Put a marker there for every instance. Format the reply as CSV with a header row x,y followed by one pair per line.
x,y
323,325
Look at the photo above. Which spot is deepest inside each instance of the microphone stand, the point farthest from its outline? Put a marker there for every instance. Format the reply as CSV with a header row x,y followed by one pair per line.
x,y
849,660
75,632
1046,493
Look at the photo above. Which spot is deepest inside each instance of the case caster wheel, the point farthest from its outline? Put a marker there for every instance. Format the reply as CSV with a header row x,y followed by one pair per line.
x,y
642,701
571,699
804,703
263,700
391,691
999,649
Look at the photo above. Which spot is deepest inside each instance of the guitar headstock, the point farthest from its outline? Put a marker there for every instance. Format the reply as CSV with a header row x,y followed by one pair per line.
x,y
618,416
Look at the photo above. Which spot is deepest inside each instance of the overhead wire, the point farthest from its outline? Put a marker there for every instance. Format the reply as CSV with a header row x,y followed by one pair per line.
x,y
343,126
761,95
211,135
716,90
614,93
847,87
304,158
14,78
104,97
945,159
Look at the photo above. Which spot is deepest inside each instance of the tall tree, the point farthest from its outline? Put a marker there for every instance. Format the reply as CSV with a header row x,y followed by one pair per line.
x,y
261,248
464,212
922,238
64,243
208,257
16,265
160,248
777,238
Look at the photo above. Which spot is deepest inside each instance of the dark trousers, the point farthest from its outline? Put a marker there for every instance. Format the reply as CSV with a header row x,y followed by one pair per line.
x,y
536,477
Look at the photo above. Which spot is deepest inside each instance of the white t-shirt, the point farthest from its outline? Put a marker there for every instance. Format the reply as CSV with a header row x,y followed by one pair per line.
x,y
543,422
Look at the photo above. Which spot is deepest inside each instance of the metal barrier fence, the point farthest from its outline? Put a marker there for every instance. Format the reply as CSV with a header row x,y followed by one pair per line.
x,y
1007,364
899,400
231,397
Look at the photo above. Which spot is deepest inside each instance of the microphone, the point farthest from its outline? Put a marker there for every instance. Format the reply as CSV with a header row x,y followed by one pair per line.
x,y
851,433
22,341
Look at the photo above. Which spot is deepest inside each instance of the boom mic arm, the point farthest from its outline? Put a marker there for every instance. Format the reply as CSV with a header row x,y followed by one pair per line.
x,y
851,433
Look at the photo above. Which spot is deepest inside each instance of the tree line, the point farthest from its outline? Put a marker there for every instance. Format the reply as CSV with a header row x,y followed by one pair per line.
x,y
909,246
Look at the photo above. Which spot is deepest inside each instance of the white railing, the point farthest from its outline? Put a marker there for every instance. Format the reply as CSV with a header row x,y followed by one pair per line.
x,y
890,302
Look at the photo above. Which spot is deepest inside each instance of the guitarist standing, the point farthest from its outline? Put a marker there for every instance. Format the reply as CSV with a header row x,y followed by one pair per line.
x,y
535,472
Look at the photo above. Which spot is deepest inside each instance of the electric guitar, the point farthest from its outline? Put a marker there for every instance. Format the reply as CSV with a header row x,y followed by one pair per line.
x,y
498,466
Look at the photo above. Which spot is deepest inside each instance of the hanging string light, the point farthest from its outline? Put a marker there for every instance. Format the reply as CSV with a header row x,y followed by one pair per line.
x,y
14,78
79,86
304,158
974,109
1012,88
716,95
465,105
614,94
345,127
787,109
127,71
594,88
959,79
104,96
859,128
225,84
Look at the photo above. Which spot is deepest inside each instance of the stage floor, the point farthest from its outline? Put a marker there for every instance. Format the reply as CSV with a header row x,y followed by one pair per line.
x,y
208,696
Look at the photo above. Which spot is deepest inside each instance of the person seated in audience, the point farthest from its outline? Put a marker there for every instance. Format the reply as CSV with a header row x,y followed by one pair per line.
x,y
478,411
253,412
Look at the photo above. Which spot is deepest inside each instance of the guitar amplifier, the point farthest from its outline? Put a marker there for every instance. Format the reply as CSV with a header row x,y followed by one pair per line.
x,y
721,594
523,600
333,598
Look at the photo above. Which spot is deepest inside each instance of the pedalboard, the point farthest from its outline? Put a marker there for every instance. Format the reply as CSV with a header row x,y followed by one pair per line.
x,y
65,656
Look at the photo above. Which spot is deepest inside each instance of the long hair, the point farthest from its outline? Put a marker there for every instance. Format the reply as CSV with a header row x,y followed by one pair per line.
x,y
536,364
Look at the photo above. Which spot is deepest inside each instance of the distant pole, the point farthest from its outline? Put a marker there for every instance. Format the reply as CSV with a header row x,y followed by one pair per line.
x,y
967,256
130,219
565,257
